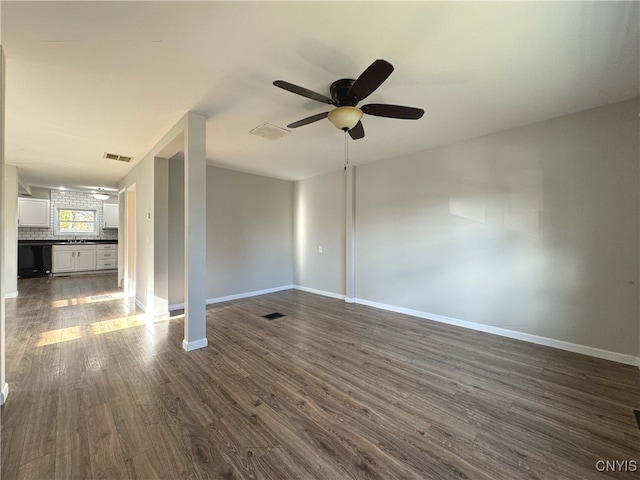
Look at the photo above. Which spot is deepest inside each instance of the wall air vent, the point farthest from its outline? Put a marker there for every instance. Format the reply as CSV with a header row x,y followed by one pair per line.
x,y
120,158
269,131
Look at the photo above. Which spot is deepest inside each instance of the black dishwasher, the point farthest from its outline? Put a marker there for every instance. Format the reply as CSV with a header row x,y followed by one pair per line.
x,y
34,260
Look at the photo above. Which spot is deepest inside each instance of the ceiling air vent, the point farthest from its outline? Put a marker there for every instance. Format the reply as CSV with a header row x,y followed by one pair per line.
x,y
269,131
120,158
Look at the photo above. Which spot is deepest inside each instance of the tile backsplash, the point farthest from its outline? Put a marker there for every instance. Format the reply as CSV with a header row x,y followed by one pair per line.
x,y
69,199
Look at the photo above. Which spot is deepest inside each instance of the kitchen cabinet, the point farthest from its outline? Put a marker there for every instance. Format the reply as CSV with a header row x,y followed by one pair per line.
x,y
73,258
109,215
33,212
107,256
62,260
86,259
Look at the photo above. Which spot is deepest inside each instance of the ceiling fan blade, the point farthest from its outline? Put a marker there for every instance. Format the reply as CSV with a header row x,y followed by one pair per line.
x,y
290,87
392,111
357,132
370,79
308,120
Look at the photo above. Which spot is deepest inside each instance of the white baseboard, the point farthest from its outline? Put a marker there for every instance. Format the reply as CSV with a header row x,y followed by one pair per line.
x,y
194,345
4,393
237,296
11,294
503,332
157,316
141,305
83,272
319,292
161,316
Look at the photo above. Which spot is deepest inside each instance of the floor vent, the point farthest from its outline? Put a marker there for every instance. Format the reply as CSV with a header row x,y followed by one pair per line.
x,y
100,297
637,413
273,316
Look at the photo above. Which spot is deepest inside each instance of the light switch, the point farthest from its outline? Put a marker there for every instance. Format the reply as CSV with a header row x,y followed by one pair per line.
x,y
320,249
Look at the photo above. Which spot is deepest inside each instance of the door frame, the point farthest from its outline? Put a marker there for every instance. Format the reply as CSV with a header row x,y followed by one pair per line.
x,y
129,237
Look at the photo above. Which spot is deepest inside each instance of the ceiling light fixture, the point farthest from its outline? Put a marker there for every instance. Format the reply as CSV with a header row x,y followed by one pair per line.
x,y
100,195
345,118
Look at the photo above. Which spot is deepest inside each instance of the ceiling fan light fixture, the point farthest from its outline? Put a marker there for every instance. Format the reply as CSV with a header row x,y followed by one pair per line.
x,y
345,118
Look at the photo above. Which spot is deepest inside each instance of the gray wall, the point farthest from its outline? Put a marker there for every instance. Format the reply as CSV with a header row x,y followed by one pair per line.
x,y
249,233
319,214
176,232
534,229
161,255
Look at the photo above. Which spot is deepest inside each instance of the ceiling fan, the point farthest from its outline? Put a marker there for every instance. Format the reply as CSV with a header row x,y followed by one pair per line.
x,y
346,93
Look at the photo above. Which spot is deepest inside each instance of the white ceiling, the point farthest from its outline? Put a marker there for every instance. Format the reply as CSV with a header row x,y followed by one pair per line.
x,y
84,78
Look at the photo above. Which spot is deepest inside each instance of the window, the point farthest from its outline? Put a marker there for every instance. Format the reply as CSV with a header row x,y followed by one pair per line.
x,y
72,221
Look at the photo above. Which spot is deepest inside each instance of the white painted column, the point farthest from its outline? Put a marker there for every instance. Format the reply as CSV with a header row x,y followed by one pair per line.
x,y
350,237
10,235
195,233
4,386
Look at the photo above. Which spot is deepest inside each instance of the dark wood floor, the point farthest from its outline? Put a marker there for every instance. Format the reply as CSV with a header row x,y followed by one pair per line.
x,y
330,391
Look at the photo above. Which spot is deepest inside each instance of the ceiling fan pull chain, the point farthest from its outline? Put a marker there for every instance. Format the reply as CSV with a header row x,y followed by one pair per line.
x,y
346,150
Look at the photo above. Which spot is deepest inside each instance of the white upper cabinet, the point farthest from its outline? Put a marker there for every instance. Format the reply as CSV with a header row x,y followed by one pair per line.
x,y
109,215
33,212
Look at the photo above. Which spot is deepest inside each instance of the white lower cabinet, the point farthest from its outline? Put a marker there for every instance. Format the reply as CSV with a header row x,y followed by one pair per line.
x,y
62,259
83,258
86,259
107,256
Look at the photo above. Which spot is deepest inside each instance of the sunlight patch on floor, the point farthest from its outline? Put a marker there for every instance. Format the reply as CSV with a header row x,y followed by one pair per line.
x,y
97,328
58,336
66,302
116,324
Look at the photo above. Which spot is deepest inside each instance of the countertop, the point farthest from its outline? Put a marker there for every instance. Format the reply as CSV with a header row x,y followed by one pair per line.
x,y
64,242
